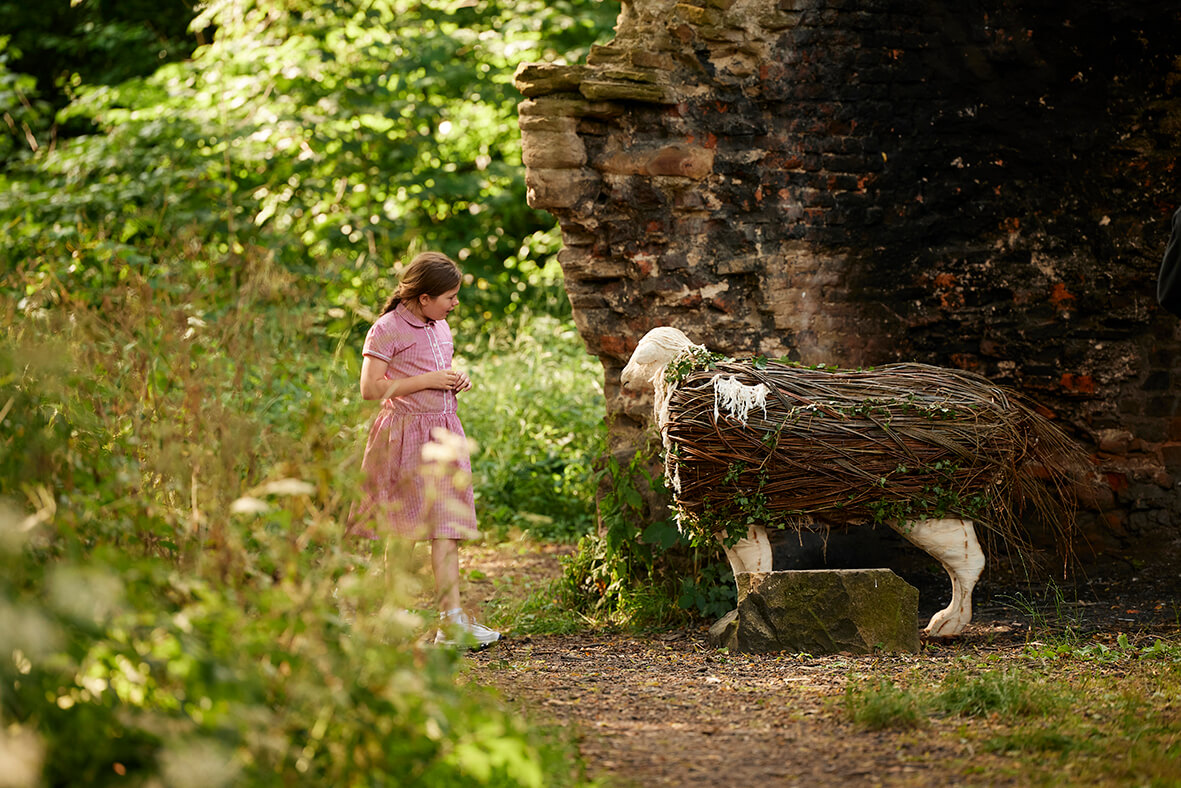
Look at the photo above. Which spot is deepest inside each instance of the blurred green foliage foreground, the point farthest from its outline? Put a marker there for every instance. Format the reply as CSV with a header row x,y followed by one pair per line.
x,y
198,225
177,597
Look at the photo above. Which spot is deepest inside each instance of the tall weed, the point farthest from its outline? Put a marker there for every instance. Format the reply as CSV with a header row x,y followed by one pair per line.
x,y
1053,620
177,599
536,410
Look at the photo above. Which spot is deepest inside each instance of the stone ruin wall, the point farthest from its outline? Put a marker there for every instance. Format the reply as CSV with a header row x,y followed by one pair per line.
x,y
984,185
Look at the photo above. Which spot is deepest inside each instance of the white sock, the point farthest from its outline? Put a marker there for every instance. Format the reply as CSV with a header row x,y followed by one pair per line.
x,y
453,613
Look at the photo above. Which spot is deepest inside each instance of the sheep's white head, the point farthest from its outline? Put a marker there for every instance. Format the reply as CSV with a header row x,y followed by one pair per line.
x,y
653,354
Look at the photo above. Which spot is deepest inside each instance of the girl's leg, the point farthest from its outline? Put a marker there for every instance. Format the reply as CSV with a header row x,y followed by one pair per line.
x,y
456,627
445,563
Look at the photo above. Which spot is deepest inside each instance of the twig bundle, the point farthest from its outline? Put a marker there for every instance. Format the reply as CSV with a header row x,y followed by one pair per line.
x,y
900,442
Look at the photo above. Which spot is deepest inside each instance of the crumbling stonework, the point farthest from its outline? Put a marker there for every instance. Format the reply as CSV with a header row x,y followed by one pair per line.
x,y
984,185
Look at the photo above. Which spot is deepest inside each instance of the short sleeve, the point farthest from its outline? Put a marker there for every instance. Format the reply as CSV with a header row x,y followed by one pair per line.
x,y
383,341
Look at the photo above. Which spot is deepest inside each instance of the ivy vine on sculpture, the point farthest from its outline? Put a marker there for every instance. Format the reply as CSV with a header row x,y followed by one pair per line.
x,y
755,444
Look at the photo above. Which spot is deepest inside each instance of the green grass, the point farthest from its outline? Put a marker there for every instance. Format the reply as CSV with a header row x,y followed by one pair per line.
x,y
961,693
539,612
1009,693
1036,740
536,410
188,456
884,706
1071,720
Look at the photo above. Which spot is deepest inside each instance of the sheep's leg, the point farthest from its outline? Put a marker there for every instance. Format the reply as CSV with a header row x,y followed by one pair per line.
x,y
953,543
752,553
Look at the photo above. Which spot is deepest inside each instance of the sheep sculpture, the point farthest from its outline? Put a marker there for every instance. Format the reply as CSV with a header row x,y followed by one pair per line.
x,y
930,452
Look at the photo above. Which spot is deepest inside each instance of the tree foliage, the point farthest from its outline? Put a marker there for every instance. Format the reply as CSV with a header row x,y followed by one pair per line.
x,y
188,253
67,43
338,136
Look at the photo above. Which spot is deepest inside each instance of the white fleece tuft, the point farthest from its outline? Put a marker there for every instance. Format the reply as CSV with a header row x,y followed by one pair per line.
x,y
737,399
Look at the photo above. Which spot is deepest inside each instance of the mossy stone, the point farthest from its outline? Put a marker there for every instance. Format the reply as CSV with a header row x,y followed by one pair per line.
x,y
825,611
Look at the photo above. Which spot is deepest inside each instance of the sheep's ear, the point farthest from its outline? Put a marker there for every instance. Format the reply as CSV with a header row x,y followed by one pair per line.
x,y
651,353
660,345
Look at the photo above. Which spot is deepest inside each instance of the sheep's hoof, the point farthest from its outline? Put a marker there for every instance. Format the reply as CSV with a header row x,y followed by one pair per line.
x,y
945,624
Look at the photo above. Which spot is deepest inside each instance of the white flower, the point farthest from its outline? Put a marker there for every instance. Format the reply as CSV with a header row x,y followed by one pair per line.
x,y
446,446
248,505
288,487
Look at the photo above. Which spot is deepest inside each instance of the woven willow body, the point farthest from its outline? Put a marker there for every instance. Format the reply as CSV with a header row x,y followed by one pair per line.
x,y
903,441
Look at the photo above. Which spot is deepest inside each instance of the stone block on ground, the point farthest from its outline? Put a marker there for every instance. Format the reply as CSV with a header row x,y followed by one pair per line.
x,y
824,611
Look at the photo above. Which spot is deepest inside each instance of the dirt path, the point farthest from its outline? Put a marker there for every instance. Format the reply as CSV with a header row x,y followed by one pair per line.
x,y
668,709
671,711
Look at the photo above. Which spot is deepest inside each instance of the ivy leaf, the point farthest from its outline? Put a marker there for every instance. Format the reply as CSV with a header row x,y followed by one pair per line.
x,y
662,534
632,497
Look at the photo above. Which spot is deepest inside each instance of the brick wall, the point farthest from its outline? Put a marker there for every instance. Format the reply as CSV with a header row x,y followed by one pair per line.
x,y
980,185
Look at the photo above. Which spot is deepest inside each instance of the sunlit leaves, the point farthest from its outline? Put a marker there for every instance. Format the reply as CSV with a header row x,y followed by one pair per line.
x,y
22,114
175,584
331,133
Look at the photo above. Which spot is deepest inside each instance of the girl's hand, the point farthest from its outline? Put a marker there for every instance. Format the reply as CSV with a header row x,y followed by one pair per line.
x,y
375,385
445,379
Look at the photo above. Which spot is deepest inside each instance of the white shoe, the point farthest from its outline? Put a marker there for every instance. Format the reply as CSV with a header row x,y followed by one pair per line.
x,y
456,629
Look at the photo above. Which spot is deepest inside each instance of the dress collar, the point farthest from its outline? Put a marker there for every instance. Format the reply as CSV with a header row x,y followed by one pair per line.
x,y
403,312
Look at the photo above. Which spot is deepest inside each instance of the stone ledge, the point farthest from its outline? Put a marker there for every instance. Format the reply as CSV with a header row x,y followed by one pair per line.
x,y
560,188
540,79
552,150
566,106
680,160
626,90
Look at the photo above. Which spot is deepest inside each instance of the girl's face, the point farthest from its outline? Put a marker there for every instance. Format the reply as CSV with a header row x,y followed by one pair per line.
x,y
438,307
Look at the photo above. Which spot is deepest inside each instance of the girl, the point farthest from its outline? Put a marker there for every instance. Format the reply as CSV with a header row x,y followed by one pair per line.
x,y
407,366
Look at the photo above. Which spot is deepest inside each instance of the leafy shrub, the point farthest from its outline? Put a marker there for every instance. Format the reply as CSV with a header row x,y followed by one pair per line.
x,y
130,666
24,111
640,570
536,410
176,595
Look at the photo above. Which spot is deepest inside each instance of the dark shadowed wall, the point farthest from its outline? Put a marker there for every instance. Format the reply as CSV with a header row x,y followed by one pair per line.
x,y
985,185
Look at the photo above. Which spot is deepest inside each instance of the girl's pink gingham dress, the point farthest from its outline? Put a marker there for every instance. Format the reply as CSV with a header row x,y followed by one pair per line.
x,y
404,495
